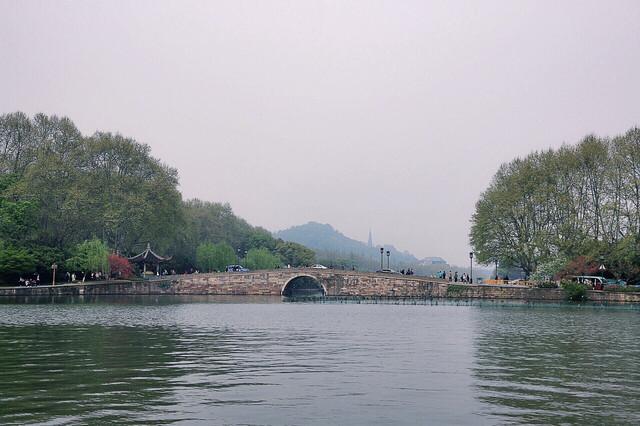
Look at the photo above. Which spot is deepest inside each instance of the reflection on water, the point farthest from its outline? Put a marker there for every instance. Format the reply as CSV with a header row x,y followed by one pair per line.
x,y
84,372
257,361
559,365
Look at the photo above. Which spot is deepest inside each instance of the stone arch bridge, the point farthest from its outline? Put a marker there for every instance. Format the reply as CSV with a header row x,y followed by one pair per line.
x,y
308,281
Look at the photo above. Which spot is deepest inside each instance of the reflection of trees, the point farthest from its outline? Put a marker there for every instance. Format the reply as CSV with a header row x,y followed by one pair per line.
x,y
558,365
94,372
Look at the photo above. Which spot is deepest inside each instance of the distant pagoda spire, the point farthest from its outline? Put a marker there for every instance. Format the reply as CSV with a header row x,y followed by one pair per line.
x,y
370,243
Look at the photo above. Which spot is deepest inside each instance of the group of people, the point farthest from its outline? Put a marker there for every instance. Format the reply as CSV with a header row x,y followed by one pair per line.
x,y
70,277
454,277
30,281
407,272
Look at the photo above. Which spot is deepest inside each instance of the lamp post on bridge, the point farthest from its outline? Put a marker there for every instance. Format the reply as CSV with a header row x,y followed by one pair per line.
x,y
381,257
388,254
240,251
471,267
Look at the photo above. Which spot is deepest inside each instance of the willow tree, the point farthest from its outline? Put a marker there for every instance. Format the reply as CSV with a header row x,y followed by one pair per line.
x,y
90,256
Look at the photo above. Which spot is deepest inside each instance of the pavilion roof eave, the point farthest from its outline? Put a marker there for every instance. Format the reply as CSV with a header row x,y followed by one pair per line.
x,y
149,256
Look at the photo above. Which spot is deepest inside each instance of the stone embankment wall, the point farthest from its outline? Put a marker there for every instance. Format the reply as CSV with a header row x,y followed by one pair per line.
x,y
335,283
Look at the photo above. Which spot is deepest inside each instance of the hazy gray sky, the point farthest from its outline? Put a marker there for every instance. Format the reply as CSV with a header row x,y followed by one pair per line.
x,y
392,115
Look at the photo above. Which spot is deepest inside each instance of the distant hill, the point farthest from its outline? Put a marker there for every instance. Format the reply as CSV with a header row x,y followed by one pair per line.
x,y
336,249
320,236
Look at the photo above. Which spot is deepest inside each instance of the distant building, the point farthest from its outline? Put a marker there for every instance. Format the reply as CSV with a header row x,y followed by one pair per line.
x,y
433,261
370,243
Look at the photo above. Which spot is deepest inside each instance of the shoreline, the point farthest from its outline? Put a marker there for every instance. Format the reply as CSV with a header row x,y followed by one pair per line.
x,y
418,290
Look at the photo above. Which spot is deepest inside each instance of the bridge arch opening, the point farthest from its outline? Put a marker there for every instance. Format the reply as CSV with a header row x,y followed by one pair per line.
x,y
303,286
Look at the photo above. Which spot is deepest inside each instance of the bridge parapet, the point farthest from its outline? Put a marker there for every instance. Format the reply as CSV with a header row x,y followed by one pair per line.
x,y
334,282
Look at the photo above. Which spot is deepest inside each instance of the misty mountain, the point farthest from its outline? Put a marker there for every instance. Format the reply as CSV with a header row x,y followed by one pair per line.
x,y
333,247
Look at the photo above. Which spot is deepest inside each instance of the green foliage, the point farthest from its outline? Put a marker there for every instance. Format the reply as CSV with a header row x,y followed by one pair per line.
x,y
547,284
261,259
72,187
207,221
59,189
334,261
579,200
549,270
15,261
214,222
295,254
575,292
206,258
20,254
89,256
261,238
624,258
214,257
45,257
17,137
225,255
16,216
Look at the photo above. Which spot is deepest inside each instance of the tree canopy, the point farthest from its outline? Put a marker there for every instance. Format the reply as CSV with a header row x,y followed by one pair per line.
x,y
261,258
60,189
581,200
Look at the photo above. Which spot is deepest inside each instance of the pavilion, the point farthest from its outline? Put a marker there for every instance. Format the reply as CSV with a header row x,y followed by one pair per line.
x,y
148,257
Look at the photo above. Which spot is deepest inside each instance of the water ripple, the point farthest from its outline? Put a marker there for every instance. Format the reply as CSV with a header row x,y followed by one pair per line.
x,y
163,361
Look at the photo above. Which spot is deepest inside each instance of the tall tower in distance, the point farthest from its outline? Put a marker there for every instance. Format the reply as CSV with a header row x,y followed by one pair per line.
x,y
370,243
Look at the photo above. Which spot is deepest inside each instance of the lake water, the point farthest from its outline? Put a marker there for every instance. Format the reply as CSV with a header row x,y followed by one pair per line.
x,y
156,360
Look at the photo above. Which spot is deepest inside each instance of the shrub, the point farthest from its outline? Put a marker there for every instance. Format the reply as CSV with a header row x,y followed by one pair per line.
x,y
575,292
120,266
547,284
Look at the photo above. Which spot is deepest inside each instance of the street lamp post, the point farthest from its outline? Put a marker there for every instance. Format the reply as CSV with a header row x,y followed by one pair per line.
x,y
381,257
54,267
240,254
388,254
471,267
